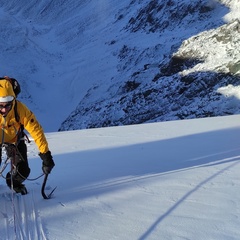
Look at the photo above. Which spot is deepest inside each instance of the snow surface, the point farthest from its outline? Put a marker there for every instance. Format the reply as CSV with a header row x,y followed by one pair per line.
x,y
169,180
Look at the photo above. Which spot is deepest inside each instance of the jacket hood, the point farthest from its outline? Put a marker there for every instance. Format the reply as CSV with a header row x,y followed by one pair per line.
x,y
6,91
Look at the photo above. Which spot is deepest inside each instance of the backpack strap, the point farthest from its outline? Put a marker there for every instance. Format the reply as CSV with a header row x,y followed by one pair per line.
x,y
17,117
21,134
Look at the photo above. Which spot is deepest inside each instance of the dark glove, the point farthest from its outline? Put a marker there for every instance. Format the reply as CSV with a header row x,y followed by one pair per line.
x,y
48,163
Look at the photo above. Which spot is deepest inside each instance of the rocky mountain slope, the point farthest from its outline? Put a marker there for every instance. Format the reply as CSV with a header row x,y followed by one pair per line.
x,y
189,69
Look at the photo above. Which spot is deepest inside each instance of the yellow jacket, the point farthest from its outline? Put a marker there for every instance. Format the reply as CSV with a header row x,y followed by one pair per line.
x,y
10,127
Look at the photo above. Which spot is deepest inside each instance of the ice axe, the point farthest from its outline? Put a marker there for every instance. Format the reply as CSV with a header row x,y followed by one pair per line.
x,y
43,188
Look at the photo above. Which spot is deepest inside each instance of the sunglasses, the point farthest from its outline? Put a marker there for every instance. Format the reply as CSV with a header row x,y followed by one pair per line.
x,y
6,106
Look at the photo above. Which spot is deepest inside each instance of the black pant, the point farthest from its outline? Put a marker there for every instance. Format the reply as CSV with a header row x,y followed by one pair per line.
x,y
21,169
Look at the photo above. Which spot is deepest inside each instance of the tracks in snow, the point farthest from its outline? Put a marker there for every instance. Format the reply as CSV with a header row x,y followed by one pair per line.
x,y
20,219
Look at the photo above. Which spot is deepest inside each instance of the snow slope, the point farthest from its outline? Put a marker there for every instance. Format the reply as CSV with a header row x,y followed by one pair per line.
x,y
52,48
169,180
